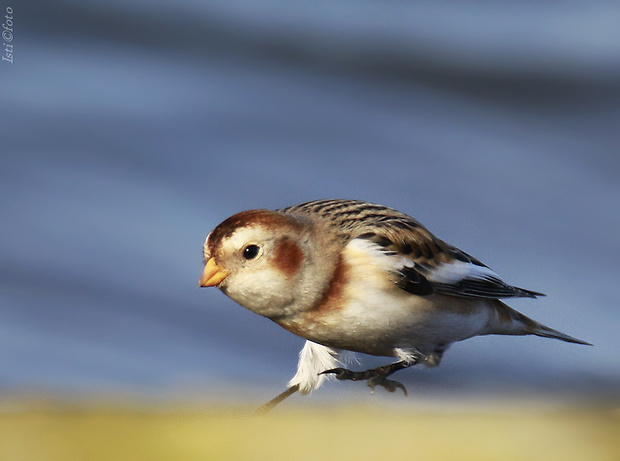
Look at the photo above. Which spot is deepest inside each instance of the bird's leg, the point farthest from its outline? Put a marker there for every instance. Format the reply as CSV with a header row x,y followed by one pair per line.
x,y
374,377
279,398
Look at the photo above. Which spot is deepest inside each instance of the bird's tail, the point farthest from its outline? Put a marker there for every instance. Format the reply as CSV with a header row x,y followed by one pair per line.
x,y
546,332
515,323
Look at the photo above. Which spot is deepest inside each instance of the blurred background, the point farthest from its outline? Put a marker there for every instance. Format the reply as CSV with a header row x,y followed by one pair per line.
x,y
130,129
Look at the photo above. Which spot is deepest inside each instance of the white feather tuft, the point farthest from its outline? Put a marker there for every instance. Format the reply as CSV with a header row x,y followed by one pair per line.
x,y
408,355
314,359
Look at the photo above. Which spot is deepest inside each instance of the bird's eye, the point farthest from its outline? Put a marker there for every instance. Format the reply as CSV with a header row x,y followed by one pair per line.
x,y
251,251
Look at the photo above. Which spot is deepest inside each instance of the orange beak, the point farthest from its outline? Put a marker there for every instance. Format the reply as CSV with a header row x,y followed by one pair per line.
x,y
213,274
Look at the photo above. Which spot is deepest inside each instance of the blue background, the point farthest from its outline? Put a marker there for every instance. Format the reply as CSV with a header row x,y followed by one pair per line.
x,y
130,129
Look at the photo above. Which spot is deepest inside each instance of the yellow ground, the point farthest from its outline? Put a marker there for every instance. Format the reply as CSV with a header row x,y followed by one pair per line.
x,y
327,433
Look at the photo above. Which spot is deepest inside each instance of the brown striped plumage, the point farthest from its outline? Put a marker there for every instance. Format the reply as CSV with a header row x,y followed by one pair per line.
x,y
397,232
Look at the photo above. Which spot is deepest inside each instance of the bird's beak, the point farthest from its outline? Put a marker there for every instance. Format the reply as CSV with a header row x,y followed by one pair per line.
x,y
213,274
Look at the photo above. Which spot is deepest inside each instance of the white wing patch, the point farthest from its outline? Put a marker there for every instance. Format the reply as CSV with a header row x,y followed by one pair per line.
x,y
471,280
458,271
384,259
458,278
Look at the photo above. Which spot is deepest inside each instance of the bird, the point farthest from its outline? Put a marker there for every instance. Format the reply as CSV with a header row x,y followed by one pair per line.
x,y
353,277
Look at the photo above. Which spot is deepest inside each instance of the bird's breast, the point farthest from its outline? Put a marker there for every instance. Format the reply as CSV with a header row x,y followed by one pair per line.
x,y
364,310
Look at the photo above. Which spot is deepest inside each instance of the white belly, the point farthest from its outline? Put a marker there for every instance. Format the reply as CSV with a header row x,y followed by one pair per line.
x,y
377,325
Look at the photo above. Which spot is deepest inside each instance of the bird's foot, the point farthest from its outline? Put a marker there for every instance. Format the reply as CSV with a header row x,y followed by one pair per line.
x,y
374,377
388,384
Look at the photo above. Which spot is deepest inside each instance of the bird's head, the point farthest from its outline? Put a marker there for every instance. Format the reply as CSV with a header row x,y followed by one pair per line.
x,y
272,263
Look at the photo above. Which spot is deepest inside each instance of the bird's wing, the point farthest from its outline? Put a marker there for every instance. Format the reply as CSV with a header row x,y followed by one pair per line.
x,y
425,264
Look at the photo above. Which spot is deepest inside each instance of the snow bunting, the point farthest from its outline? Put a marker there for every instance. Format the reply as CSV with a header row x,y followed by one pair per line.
x,y
354,276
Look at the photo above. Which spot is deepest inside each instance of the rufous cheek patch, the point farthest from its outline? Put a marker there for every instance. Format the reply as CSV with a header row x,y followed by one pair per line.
x,y
289,258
